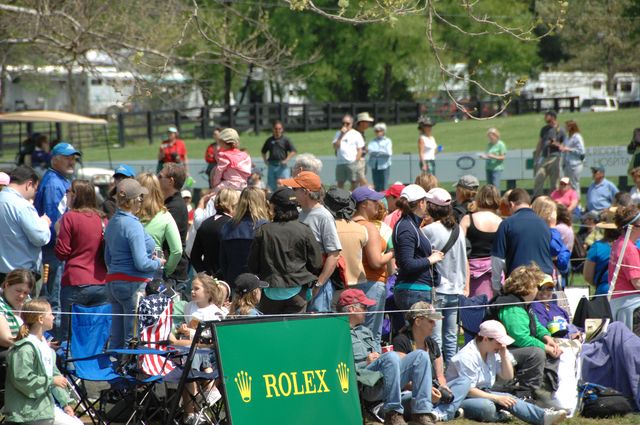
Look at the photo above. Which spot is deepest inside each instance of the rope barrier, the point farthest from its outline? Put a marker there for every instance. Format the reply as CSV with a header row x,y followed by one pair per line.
x,y
628,292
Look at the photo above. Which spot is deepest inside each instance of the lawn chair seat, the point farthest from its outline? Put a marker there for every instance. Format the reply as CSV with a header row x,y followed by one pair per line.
x,y
471,313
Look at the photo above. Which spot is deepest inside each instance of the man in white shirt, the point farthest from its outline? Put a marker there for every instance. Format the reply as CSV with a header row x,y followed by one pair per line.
x,y
349,147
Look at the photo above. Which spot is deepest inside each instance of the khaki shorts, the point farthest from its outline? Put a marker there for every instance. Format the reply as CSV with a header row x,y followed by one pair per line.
x,y
354,171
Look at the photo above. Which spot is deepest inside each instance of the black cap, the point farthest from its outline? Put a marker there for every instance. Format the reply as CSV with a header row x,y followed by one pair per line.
x,y
284,197
340,203
247,282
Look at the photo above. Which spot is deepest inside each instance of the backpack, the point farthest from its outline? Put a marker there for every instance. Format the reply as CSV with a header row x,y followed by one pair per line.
x,y
597,401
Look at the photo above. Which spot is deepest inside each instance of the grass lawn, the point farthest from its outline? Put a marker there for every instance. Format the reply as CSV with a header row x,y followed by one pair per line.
x,y
598,129
626,420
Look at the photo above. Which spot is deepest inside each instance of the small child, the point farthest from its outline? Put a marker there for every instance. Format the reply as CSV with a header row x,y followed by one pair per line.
x,y
207,299
248,295
32,375
234,165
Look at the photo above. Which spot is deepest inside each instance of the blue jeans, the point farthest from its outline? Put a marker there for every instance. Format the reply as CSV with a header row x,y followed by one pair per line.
x,y
415,367
321,303
122,295
51,288
85,295
493,177
405,298
276,172
380,178
446,330
376,291
484,410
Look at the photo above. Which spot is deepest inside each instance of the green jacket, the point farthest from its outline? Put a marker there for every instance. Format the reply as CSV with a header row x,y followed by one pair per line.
x,y
29,393
518,323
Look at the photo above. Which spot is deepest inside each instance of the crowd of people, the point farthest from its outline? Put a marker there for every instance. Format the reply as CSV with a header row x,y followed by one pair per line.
x,y
296,247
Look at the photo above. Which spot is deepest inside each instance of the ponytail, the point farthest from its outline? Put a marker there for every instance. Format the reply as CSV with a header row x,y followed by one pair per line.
x,y
23,332
405,206
31,312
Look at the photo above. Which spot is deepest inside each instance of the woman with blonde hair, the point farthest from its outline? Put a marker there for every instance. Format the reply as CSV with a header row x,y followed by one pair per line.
x,y
480,227
546,209
159,223
237,235
495,154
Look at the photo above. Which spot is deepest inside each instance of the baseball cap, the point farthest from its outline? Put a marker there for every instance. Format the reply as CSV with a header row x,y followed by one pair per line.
x,y
565,180
247,282
125,170
364,193
439,196
131,189
284,197
425,122
172,130
394,190
64,149
186,194
551,112
422,309
468,182
306,180
495,330
597,168
546,281
413,192
4,178
354,296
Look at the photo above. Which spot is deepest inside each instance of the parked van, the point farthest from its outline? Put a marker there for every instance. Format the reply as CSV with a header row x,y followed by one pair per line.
x,y
604,104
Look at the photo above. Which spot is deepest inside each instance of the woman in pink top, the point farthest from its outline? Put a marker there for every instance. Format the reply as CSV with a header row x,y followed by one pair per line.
x,y
566,195
234,166
625,302
80,244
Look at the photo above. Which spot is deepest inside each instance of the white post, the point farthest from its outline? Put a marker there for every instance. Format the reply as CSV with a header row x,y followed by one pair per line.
x,y
612,285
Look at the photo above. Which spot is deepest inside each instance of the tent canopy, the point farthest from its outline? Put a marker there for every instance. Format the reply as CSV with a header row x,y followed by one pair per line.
x,y
50,116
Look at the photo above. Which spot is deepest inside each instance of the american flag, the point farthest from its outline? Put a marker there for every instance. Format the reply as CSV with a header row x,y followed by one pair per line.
x,y
159,308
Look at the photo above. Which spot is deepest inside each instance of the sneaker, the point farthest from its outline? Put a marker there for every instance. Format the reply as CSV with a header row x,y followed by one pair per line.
x,y
212,396
459,414
394,418
553,417
504,416
423,419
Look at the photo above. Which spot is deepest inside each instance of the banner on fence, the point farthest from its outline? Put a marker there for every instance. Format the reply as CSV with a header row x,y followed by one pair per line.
x,y
291,371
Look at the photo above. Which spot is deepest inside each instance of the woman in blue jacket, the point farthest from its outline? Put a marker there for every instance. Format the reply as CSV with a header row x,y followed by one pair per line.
x,y
414,256
130,259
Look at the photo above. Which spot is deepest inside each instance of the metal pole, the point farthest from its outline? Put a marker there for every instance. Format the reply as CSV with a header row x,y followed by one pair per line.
x,y
627,235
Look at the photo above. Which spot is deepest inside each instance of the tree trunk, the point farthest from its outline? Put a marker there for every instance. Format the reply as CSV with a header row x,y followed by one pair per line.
x,y
227,86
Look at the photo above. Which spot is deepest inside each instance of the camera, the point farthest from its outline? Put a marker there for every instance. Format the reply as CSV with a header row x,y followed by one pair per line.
x,y
446,396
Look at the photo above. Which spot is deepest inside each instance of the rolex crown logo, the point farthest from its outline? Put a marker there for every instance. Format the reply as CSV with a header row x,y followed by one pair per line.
x,y
243,381
343,376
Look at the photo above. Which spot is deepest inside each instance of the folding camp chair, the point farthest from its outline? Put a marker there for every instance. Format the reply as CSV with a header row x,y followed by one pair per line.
x,y
471,313
86,361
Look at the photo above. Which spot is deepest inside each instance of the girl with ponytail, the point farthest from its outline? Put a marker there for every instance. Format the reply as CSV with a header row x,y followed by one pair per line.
x,y
32,375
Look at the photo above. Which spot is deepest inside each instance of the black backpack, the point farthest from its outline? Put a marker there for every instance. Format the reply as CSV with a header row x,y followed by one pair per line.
x,y
603,402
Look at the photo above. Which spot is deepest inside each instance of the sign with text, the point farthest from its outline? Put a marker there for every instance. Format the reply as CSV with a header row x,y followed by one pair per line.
x,y
291,371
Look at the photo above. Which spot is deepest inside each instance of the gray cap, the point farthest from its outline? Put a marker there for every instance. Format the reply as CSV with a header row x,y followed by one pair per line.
x,y
468,182
131,189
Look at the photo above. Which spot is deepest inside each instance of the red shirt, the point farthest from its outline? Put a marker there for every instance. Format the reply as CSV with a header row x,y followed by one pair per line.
x,y
625,274
80,244
171,152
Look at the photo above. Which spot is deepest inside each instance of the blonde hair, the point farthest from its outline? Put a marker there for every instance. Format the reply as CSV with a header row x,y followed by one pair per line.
x,y
152,203
495,131
123,203
226,200
243,304
31,313
523,280
427,181
217,291
545,208
252,203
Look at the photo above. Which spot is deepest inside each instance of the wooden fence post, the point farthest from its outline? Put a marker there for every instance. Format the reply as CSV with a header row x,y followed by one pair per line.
x,y
121,132
150,126
177,119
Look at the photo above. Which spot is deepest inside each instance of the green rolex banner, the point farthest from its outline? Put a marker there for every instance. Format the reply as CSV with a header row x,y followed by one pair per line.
x,y
296,371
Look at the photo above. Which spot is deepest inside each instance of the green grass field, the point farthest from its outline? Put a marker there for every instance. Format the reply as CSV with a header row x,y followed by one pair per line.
x,y
598,129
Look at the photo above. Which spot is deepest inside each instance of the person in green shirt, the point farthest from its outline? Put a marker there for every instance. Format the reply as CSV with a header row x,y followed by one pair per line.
x,y
495,154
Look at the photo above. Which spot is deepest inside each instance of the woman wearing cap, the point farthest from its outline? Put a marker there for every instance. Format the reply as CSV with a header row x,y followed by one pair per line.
x,y
550,314
481,361
495,154
573,154
480,227
415,258
380,150
445,235
237,235
80,244
566,195
234,166
427,146
596,265
129,256
375,253
286,255
248,295
625,301
172,150
159,223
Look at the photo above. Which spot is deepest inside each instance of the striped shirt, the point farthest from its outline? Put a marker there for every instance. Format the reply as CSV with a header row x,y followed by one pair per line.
x,y
13,320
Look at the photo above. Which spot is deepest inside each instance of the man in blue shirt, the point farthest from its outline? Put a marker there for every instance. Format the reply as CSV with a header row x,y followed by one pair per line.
x,y
520,240
601,192
22,232
51,199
